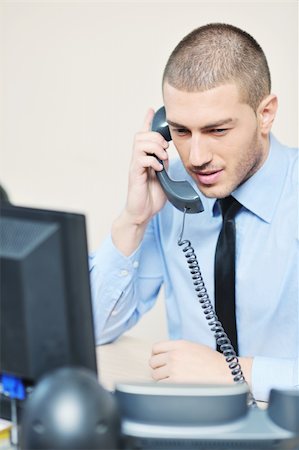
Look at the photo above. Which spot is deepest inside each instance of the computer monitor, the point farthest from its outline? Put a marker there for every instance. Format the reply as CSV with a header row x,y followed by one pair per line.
x,y
46,313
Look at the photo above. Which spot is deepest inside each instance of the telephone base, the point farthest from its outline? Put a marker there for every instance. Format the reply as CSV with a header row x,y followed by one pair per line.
x,y
187,417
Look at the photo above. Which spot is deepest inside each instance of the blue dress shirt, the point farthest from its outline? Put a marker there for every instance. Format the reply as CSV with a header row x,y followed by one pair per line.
x,y
267,311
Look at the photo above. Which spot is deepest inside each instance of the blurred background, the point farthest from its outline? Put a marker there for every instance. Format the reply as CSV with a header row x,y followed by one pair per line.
x,y
77,78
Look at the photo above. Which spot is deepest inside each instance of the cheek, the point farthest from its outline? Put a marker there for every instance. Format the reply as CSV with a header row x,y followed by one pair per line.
x,y
246,157
182,149
241,146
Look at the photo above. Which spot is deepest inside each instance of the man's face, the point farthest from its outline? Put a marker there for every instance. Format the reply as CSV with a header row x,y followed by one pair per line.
x,y
216,136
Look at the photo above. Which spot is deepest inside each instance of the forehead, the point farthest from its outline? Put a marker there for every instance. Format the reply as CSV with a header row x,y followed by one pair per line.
x,y
184,107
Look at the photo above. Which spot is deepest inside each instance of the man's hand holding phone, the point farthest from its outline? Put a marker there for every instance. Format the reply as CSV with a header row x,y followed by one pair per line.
x,y
145,196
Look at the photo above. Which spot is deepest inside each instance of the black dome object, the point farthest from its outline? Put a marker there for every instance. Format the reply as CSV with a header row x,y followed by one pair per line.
x,y
69,409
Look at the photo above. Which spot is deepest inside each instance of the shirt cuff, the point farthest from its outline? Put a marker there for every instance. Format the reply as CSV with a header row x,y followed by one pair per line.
x,y
268,373
110,274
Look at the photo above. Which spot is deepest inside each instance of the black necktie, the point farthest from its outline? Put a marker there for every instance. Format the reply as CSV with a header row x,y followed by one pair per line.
x,y
225,270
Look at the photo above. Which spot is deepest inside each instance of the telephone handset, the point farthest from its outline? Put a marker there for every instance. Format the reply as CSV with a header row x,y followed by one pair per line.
x,y
180,193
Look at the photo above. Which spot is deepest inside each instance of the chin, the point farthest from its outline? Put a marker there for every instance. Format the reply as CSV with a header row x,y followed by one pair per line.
x,y
216,191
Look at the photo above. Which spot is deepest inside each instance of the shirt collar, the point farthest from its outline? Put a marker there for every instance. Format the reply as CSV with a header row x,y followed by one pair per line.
x,y
261,192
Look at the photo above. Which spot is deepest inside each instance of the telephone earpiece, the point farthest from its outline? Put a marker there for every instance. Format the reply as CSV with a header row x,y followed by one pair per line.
x,y
180,193
160,125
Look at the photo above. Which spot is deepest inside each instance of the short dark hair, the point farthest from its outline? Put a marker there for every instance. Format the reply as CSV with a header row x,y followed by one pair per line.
x,y
217,54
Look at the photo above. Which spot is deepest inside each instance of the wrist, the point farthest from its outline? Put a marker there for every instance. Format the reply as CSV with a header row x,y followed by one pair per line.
x,y
246,366
127,234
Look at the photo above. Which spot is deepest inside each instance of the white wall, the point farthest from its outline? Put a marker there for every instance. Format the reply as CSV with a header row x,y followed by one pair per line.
x,y
78,76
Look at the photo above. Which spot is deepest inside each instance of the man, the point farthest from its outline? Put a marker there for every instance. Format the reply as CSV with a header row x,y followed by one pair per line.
x,y
220,110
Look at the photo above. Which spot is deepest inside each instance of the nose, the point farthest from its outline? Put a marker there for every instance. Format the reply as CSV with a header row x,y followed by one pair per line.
x,y
200,153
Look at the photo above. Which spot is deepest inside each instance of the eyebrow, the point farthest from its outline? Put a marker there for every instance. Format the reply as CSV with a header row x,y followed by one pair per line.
x,y
205,127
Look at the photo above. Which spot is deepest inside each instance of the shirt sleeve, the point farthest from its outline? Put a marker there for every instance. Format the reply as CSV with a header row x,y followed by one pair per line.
x,y
268,373
123,288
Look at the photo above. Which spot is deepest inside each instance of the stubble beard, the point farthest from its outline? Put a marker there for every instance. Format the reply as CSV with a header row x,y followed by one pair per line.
x,y
246,167
252,162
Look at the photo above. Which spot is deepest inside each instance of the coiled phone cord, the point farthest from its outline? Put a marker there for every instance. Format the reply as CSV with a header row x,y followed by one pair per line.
x,y
220,335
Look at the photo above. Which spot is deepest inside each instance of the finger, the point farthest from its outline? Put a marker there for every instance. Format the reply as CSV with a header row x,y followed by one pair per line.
x,y
160,373
158,360
166,380
151,136
167,346
148,162
163,347
150,148
147,124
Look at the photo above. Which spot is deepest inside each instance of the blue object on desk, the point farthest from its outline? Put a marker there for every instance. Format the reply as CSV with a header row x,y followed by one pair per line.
x,y
13,387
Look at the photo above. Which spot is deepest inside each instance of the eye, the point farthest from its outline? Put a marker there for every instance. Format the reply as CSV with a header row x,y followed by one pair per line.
x,y
180,131
219,131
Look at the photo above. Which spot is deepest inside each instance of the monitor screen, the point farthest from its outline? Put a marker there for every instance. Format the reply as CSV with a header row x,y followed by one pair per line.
x,y
46,312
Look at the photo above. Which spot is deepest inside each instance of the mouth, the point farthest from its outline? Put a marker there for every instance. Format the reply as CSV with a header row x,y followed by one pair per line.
x,y
208,177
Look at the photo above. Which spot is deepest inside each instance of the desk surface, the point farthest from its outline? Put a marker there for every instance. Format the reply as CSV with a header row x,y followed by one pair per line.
x,y
124,360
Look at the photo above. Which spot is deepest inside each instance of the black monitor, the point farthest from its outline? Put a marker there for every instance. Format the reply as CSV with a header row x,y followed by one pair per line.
x,y
46,313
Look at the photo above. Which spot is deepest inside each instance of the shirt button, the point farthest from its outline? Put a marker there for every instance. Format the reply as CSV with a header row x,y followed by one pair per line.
x,y
135,264
124,273
114,313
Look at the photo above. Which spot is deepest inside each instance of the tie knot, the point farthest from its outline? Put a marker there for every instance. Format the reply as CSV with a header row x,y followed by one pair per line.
x,y
229,207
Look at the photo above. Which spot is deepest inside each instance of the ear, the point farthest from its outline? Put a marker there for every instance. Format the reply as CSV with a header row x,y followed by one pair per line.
x,y
266,113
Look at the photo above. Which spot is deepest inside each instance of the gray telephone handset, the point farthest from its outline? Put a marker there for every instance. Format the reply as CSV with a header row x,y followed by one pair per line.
x,y
180,193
